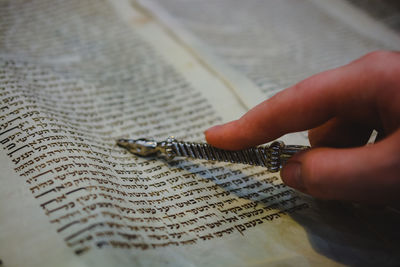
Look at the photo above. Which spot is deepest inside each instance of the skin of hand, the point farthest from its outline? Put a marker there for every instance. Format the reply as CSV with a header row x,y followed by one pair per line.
x,y
340,107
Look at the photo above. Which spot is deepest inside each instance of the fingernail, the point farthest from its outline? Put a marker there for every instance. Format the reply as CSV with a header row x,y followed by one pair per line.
x,y
212,128
291,175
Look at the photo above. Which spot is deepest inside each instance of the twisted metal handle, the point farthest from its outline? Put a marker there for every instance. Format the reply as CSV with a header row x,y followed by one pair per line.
x,y
272,157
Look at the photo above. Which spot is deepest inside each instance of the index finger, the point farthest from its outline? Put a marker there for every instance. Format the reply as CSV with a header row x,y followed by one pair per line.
x,y
348,91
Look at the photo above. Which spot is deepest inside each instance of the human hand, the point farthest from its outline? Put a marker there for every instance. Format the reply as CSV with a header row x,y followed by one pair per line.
x,y
341,107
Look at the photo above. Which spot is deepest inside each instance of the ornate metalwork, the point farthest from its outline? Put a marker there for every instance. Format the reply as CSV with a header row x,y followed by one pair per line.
x,y
272,156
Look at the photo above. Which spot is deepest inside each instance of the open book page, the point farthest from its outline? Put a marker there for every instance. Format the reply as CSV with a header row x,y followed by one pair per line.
x,y
277,43
77,75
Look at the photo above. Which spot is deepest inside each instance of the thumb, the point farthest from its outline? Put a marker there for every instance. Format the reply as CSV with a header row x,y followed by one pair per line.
x,y
369,174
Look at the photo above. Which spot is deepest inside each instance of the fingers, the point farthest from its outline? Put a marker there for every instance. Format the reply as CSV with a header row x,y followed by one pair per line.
x,y
339,133
349,92
369,174
341,106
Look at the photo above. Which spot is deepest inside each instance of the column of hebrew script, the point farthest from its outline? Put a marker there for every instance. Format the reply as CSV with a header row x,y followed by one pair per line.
x,y
97,194
277,43
74,78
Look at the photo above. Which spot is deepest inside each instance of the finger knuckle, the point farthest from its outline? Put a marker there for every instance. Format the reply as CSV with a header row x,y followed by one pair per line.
x,y
383,65
378,56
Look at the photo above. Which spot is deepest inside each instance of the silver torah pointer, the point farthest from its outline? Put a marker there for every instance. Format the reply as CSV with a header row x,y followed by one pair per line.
x,y
272,157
